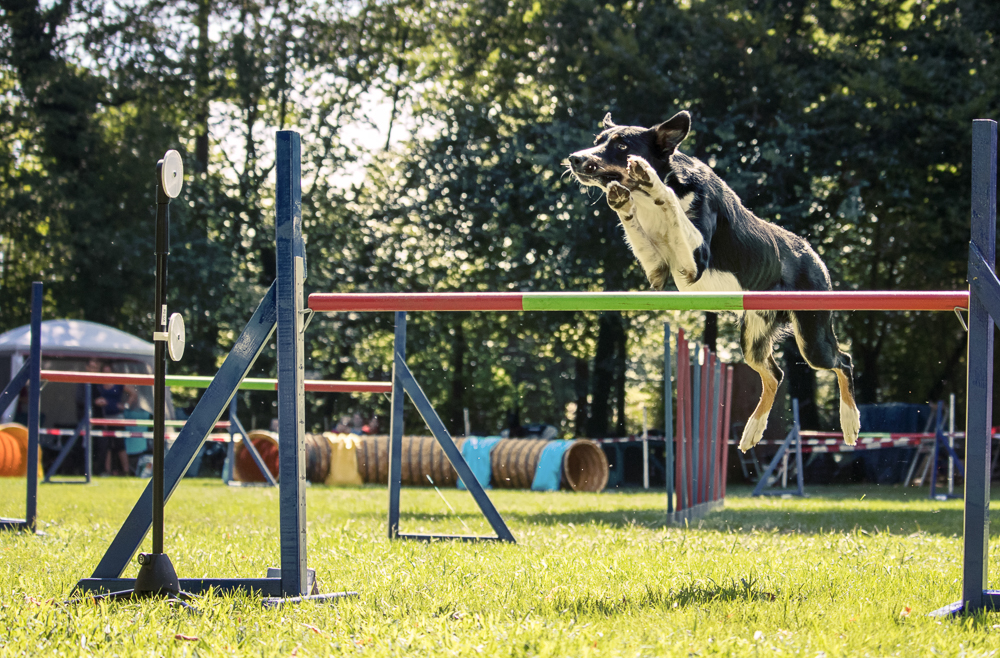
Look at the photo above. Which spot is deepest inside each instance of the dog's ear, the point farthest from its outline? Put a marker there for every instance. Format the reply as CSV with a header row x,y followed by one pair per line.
x,y
672,132
607,123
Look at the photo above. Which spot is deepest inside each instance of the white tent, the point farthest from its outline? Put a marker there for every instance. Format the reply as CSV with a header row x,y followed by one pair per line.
x,y
76,337
68,345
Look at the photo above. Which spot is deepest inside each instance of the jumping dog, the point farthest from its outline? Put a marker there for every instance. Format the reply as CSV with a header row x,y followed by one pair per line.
x,y
681,219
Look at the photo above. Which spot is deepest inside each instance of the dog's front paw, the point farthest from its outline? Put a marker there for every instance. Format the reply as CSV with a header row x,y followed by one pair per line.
x,y
640,172
618,196
753,432
658,277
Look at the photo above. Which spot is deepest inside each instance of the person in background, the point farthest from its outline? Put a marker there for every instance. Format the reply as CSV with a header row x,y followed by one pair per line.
x,y
113,400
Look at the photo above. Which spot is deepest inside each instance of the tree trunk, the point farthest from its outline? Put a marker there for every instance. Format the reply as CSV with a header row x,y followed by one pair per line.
x,y
621,367
608,328
201,92
581,386
459,387
711,335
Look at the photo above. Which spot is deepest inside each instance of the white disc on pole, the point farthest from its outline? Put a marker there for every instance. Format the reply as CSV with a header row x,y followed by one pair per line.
x,y
172,174
175,337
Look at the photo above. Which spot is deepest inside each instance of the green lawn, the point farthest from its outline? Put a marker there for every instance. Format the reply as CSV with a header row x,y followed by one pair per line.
x,y
848,571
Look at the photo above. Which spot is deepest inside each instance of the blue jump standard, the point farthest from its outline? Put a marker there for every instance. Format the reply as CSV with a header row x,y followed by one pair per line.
x,y
279,309
282,309
794,435
30,374
984,306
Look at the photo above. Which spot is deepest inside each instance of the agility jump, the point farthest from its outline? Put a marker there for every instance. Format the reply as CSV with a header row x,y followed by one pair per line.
x,y
283,308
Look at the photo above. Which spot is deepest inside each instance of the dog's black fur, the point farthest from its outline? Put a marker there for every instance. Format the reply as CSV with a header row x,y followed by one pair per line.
x,y
760,255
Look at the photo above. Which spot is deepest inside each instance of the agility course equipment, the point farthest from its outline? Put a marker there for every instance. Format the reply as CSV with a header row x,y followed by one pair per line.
x,y
282,306
281,309
704,396
28,375
982,302
799,442
576,464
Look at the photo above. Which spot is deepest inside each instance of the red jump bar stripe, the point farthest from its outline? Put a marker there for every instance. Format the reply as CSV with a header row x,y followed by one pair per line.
x,y
415,301
935,300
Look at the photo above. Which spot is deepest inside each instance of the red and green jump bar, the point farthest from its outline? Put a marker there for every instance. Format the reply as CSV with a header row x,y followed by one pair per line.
x,y
935,300
195,381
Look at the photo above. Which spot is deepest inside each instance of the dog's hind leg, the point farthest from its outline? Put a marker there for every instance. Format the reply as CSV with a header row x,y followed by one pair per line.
x,y
757,333
650,256
818,345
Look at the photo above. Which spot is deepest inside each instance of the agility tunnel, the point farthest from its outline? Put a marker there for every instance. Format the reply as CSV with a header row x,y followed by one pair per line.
x,y
347,459
14,451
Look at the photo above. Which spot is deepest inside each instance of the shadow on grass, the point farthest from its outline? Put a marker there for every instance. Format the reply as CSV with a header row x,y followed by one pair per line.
x,y
828,509
745,590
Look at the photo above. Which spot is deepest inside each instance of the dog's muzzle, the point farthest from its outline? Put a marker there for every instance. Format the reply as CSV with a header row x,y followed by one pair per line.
x,y
586,169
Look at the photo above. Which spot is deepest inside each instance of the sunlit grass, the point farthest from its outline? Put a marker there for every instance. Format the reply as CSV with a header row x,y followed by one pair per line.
x,y
848,571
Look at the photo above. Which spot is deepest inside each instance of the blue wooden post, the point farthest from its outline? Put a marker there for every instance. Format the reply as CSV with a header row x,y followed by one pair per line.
x,y
936,451
980,364
230,465
799,475
34,401
695,426
290,255
396,425
668,418
713,452
88,444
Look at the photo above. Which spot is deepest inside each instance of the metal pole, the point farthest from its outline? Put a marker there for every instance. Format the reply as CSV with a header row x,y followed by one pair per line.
x,y
668,419
979,410
951,444
34,403
465,419
88,450
289,300
696,428
645,450
396,424
162,250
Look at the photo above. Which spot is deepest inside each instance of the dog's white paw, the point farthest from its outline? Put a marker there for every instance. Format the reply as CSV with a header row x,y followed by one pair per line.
x,y
753,432
619,197
641,173
850,423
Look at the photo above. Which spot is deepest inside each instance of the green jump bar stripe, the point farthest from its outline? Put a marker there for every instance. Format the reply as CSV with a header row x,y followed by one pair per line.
x,y
649,301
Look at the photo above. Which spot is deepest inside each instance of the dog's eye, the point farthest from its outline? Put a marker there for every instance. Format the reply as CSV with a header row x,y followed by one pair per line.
x,y
622,146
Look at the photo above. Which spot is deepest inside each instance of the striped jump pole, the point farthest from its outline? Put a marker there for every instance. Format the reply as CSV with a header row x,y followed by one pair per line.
x,y
886,300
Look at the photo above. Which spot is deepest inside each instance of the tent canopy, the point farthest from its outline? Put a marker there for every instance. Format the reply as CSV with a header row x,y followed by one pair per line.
x,y
76,338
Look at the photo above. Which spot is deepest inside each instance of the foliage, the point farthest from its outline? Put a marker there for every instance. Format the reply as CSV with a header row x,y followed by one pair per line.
x,y
846,122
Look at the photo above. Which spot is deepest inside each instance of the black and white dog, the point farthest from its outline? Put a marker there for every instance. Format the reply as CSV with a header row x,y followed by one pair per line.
x,y
682,219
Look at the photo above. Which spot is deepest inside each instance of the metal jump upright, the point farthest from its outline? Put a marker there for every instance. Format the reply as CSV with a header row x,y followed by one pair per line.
x,y
29,374
984,309
281,309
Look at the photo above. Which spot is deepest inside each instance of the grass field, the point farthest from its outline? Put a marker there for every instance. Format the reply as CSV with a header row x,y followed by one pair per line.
x,y
849,571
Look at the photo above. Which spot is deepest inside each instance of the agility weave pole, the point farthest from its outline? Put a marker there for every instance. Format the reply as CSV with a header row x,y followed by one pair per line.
x,y
704,396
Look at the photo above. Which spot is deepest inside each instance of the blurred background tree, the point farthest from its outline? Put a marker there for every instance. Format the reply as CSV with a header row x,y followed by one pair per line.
x,y
433,139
